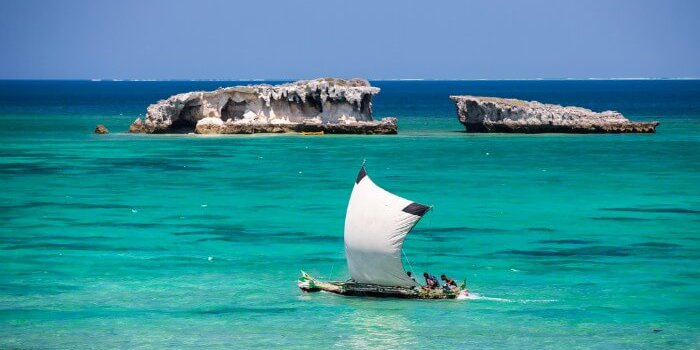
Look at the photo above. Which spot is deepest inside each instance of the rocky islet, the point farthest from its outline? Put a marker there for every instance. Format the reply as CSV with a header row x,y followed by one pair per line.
x,y
333,106
493,114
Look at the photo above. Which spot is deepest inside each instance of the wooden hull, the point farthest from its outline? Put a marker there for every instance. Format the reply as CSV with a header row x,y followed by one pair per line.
x,y
310,285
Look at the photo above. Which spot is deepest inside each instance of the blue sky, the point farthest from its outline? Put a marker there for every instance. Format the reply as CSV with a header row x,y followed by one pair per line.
x,y
212,39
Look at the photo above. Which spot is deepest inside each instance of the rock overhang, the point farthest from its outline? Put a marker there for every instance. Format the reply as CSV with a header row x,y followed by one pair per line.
x,y
289,107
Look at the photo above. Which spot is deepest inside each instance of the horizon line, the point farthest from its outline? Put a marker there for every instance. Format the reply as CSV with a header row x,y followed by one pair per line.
x,y
370,79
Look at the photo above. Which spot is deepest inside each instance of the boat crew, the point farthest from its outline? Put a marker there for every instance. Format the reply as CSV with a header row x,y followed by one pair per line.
x,y
430,281
449,283
410,275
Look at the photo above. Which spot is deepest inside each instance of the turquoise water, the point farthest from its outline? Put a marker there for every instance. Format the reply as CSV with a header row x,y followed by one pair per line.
x,y
133,241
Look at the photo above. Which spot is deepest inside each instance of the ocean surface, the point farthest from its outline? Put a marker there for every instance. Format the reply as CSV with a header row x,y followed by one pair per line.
x,y
177,241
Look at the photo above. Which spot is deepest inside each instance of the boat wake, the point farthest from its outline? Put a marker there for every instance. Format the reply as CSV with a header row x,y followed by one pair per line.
x,y
474,296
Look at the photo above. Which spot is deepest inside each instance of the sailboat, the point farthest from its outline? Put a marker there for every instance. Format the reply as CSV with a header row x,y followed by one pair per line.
x,y
376,224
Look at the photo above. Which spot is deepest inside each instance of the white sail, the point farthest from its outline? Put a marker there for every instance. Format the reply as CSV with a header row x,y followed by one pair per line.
x,y
376,224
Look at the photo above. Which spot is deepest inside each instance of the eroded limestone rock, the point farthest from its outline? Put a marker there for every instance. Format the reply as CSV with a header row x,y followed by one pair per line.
x,y
213,126
137,127
493,114
330,105
101,129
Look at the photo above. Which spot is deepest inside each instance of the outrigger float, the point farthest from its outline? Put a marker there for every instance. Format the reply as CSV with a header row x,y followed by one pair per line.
x,y
376,224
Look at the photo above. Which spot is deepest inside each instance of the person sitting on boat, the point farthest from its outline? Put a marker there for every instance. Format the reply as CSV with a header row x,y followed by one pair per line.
x,y
449,283
410,275
430,281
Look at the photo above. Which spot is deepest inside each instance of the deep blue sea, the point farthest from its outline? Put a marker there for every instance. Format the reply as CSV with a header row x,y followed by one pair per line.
x,y
185,241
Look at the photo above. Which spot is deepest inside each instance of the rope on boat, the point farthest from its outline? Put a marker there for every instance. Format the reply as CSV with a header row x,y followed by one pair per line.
x,y
430,224
408,261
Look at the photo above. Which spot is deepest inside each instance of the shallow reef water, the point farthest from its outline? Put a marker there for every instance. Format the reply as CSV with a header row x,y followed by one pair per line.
x,y
177,241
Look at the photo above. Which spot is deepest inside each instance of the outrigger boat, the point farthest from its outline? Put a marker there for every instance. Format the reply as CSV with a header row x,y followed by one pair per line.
x,y
376,224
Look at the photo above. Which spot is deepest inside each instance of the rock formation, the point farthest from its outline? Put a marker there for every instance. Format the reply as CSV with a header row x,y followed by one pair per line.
x,y
101,129
330,105
492,114
137,127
